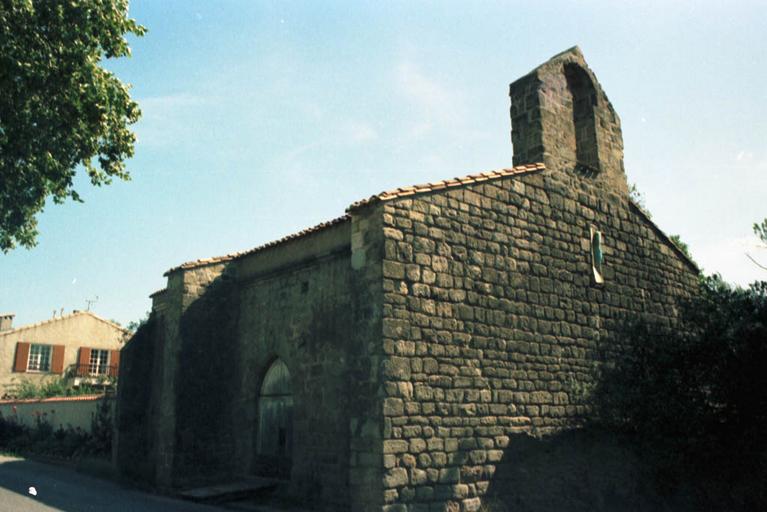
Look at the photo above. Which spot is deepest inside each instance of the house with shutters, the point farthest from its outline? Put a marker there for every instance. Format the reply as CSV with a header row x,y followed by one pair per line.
x,y
80,345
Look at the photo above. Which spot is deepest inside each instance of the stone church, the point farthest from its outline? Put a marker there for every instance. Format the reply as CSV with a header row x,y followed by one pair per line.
x,y
393,358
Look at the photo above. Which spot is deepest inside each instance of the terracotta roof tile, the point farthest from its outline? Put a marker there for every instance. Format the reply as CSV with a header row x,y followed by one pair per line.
x,y
232,256
81,398
64,317
450,183
383,196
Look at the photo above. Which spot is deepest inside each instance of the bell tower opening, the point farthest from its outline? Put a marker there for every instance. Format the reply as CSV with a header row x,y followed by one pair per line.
x,y
560,115
584,102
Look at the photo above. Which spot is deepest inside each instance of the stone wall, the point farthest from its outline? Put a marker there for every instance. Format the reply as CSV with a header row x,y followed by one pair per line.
x,y
493,326
303,317
197,368
367,355
75,412
136,415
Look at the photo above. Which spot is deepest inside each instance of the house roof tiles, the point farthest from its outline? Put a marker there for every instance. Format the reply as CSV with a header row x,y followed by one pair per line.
x,y
60,318
81,398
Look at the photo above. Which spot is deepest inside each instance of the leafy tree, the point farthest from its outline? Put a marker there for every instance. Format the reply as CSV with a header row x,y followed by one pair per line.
x,y
59,108
695,395
134,325
637,197
761,230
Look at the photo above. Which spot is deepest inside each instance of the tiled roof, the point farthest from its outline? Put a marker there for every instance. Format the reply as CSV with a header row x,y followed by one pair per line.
x,y
81,398
64,317
383,196
229,257
447,184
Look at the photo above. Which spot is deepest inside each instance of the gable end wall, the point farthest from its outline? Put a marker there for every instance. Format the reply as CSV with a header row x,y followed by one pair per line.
x,y
492,326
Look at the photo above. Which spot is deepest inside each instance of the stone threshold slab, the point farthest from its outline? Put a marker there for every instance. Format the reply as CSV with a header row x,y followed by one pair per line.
x,y
236,490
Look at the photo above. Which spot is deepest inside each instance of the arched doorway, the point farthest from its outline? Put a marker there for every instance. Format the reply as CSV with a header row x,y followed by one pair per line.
x,y
274,441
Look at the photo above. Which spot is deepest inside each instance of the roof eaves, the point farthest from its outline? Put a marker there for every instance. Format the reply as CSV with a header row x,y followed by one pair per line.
x,y
229,257
403,192
158,292
58,319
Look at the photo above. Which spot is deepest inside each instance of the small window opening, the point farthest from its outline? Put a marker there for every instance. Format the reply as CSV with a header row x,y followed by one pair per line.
x,y
597,256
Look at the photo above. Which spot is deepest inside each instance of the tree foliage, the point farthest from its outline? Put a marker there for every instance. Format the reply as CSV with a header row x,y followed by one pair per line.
x,y
134,325
761,230
682,246
696,394
637,197
59,108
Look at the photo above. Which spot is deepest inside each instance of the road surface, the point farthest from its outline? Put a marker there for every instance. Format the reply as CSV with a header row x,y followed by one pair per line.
x,y
60,488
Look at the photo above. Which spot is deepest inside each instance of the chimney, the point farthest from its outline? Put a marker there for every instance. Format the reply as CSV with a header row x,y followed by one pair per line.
x,y
561,116
6,321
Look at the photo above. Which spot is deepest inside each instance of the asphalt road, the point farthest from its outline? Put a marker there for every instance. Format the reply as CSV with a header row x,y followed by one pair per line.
x,y
61,488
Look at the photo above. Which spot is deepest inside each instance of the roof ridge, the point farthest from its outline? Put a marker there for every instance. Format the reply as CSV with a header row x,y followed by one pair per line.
x,y
388,195
63,317
231,256
383,196
97,317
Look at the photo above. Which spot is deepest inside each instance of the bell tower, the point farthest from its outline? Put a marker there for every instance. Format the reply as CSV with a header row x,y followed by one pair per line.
x,y
561,116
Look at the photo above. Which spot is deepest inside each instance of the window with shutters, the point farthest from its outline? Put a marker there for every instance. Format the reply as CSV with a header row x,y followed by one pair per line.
x,y
99,362
39,358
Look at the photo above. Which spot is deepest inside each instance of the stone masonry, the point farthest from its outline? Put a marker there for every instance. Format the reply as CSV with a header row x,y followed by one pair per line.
x,y
427,332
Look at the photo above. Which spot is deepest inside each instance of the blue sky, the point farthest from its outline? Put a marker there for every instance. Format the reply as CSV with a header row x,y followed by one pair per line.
x,y
262,118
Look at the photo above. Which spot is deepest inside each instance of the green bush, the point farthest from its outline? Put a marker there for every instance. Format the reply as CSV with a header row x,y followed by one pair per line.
x,y
695,396
67,443
61,386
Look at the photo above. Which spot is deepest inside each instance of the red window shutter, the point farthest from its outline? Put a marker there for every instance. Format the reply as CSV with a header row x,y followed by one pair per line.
x,y
22,357
57,359
114,362
84,361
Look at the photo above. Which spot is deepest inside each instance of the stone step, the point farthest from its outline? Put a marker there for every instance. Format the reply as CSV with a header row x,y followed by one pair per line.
x,y
231,491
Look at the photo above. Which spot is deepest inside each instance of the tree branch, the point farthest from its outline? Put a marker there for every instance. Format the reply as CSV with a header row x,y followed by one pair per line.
x,y
755,262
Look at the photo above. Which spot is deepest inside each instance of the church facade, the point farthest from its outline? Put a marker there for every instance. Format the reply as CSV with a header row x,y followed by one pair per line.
x,y
390,359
